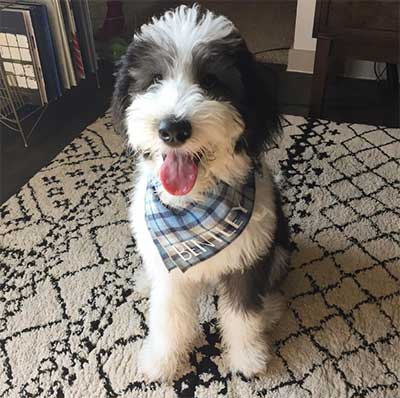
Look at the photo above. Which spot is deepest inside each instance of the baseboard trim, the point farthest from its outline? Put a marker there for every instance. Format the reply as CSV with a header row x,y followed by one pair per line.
x,y
301,61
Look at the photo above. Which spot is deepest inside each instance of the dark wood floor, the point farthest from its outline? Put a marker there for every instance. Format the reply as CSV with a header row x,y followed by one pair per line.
x,y
63,121
350,100
347,100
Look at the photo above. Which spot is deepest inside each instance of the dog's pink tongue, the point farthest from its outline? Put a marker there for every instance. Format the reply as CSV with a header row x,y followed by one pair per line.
x,y
178,173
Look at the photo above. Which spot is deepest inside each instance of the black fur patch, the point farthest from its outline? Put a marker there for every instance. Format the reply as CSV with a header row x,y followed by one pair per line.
x,y
135,73
245,289
246,85
259,109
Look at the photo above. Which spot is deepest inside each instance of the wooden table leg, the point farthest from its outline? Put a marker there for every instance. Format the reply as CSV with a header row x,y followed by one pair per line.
x,y
393,77
321,66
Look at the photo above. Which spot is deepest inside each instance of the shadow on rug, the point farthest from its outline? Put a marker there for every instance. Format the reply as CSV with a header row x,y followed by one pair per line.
x,y
72,321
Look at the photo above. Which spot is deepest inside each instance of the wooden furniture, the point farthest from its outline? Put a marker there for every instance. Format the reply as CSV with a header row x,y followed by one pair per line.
x,y
366,30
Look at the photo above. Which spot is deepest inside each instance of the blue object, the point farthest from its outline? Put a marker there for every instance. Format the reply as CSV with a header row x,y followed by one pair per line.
x,y
187,236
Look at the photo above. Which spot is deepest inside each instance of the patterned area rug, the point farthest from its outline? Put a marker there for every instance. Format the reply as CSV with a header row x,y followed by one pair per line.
x,y
72,318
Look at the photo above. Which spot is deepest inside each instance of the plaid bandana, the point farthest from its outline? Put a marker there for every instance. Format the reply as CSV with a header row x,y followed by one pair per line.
x,y
187,236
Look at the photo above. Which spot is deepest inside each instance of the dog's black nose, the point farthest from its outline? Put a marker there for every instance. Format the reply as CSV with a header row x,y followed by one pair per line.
x,y
174,132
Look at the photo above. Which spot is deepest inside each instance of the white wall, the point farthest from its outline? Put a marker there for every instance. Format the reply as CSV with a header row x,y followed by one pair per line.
x,y
301,56
303,39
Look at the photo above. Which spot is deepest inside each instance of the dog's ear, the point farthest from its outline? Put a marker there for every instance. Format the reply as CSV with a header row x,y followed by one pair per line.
x,y
260,108
121,95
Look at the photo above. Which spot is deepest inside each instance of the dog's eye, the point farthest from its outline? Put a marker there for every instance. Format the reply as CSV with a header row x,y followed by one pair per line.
x,y
156,78
209,81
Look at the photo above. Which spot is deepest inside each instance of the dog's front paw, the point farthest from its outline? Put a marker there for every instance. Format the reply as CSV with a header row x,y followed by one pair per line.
x,y
250,361
155,365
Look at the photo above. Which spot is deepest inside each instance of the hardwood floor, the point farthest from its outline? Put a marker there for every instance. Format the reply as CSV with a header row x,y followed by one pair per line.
x,y
347,100
63,121
350,100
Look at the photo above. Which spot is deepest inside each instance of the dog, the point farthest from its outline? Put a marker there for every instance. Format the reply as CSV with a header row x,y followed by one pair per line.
x,y
191,102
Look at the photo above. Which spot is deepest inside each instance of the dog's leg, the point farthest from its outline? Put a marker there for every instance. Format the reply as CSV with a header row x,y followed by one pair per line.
x,y
247,312
173,325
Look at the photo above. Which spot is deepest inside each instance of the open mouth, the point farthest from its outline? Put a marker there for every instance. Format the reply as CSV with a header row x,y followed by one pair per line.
x,y
178,173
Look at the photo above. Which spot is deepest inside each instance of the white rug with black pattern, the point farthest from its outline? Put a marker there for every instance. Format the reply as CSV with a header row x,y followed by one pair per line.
x,y
72,319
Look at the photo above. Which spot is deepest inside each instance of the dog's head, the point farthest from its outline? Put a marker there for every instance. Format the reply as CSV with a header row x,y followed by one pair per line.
x,y
190,99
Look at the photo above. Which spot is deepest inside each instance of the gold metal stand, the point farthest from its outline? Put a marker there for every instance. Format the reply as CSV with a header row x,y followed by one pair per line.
x,y
13,112
11,106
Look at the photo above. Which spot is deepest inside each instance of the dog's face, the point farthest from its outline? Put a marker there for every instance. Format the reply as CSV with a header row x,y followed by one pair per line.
x,y
189,98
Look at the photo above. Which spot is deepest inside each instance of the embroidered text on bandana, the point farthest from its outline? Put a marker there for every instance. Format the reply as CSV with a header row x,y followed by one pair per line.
x,y
185,237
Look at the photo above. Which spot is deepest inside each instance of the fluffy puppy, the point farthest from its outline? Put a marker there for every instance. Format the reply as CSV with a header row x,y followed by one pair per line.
x,y
190,100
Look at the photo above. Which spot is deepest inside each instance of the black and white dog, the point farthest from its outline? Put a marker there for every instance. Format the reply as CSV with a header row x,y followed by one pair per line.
x,y
191,102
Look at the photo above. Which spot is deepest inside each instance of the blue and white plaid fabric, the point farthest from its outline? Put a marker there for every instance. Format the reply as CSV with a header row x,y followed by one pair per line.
x,y
187,236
